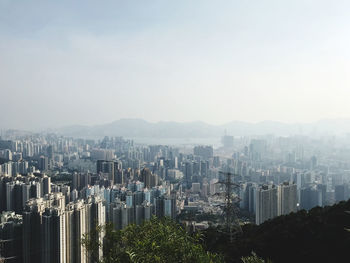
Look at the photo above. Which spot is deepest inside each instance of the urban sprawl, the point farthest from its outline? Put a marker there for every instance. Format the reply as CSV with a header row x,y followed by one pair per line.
x,y
54,189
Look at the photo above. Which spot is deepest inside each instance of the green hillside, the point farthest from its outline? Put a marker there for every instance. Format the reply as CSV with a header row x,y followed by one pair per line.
x,y
319,235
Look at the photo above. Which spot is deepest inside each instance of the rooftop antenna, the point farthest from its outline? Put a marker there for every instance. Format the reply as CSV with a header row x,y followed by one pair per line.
x,y
231,219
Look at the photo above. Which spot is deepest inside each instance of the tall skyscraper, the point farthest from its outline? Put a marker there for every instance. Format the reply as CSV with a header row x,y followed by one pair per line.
x,y
76,227
266,203
227,141
150,180
44,230
97,218
341,192
11,226
111,169
53,235
46,185
188,173
313,195
257,149
287,198
43,163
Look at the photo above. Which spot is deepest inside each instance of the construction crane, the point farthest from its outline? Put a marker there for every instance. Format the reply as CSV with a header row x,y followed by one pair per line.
x,y
231,219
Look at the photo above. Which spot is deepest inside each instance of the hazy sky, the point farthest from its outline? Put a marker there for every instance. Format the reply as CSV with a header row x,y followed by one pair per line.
x,y
92,62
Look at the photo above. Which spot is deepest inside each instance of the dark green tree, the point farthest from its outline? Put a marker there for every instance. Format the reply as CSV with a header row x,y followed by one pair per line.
x,y
156,240
318,235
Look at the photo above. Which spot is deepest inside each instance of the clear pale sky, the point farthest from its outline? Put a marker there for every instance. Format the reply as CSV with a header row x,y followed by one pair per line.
x,y
92,62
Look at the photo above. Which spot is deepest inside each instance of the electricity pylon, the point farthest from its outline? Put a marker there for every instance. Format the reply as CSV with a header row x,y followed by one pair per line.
x,y
231,218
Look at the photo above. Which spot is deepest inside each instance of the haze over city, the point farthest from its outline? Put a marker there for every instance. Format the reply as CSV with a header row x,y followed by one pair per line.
x,y
65,63
187,131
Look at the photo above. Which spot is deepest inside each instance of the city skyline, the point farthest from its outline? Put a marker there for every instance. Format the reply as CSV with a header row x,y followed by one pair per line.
x,y
174,131
85,63
55,189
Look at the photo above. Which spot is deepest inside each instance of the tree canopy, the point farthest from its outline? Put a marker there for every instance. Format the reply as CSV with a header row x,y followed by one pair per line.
x,y
156,240
318,235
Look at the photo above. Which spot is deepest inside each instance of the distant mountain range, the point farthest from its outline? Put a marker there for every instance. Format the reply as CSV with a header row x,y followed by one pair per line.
x,y
138,128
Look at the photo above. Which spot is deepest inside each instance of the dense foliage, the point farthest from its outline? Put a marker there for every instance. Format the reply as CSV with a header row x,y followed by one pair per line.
x,y
319,235
62,178
157,240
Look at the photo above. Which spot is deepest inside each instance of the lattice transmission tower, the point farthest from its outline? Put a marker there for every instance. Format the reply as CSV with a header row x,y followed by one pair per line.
x,y
233,227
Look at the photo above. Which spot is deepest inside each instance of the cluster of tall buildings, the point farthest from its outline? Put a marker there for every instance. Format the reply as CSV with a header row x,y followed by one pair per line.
x,y
53,219
15,191
53,231
14,168
54,190
11,231
206,152
45,221
268,201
